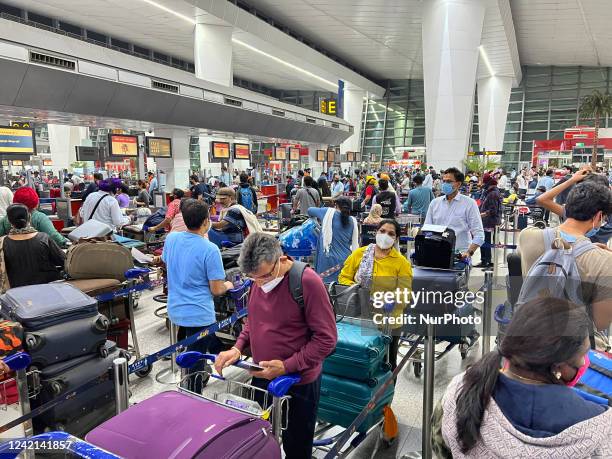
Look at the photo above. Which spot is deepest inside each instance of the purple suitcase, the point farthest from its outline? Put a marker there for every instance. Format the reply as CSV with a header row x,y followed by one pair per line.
x,y
183,426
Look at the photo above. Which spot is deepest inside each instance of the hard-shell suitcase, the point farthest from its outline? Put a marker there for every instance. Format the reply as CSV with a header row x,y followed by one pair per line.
x,y
360,353
40,306
119,332
433,249
66,376
67,340
181,426
98,260
342,400
89,229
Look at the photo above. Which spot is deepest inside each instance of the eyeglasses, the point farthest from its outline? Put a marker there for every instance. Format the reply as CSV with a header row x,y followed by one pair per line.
x,y
266,276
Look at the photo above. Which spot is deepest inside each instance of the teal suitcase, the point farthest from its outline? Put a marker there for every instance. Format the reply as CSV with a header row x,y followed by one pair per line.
x,y
360,352
342,400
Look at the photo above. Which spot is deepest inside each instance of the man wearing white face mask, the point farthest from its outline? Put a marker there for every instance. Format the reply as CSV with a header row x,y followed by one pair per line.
x,y
285,336
195,274
458,212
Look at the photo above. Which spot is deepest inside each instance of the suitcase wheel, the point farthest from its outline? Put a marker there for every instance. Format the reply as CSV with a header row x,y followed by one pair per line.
x,y
373,352
417,368
32,342
56,387
372,382
103,351
102,323
144,372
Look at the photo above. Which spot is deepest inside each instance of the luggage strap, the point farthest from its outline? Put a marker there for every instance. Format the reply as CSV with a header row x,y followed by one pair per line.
x,y
96,206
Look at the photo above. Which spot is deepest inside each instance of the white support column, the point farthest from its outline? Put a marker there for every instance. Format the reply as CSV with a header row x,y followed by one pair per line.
x,y
62,142
177,167
493,101
451,33
353,111
213,53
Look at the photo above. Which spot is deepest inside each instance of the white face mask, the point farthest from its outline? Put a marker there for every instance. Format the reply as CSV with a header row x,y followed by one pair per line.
x,y
271,285
384,241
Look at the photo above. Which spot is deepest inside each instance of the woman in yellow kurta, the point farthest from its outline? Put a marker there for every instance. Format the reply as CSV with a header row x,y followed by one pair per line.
x,y
381,267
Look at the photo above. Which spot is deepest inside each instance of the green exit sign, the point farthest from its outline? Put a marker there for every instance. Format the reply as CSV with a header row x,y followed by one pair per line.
x,y
580,144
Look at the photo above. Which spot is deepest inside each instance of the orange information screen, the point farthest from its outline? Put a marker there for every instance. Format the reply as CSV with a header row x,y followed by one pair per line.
x,y
123,145
159,147
280,153
241,151
220,150
294,154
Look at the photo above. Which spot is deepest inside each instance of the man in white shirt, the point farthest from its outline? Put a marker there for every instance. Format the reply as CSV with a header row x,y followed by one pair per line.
x,y
522,183
428,182
502,183
103,207
337,187
458,212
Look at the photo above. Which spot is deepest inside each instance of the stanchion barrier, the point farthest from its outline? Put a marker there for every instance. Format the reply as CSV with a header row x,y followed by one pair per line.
x,y
139,364
428,390
487,313
351,429
169,375
120,377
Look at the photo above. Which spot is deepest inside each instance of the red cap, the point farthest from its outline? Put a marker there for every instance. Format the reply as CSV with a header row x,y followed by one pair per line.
x,y
26,196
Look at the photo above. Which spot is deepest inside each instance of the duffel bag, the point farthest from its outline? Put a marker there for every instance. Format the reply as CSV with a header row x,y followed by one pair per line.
x,y
98,260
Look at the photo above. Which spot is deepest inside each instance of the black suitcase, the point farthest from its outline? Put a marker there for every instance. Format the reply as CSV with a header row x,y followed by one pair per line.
x,y
67,341
40,306
57,379
435,250
229,256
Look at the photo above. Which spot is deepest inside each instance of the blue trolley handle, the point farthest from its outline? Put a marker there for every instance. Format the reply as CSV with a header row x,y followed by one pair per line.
x,y
67,442
18,361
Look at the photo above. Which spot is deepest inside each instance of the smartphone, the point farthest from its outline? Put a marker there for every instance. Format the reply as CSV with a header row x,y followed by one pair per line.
x,y
250,366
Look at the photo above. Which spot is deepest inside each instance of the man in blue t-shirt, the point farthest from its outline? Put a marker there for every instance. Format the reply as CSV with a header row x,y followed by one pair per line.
x,y
195,275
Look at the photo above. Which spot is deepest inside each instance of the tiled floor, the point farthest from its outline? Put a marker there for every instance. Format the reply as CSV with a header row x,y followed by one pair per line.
x,y
407,403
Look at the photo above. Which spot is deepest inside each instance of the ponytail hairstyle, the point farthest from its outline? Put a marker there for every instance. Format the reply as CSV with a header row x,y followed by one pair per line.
x,y
344,206
543,332
18,216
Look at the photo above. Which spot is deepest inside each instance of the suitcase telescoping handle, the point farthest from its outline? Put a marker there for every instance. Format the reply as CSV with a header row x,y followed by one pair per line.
x,y
278,387
18,361
61,441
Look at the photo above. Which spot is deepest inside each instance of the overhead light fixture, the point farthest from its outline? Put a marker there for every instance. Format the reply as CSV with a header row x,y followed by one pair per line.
x,y
285,63
486,60
241,43
168,10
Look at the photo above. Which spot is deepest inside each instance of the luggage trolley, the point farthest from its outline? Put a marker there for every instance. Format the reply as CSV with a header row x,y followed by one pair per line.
x,y
226,423
347,302
438,280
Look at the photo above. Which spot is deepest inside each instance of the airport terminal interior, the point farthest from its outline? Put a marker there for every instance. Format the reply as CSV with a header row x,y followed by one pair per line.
x,y
305,229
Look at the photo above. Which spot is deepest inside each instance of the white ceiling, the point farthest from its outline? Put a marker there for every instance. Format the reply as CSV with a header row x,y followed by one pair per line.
x,y
564,32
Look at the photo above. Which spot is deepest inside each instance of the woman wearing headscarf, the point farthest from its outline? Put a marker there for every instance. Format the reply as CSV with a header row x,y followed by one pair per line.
x,y
339,237
27,257
38,220
375,215
6,199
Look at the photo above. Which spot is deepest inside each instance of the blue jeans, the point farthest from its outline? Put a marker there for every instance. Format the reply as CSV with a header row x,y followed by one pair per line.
x,y
210,344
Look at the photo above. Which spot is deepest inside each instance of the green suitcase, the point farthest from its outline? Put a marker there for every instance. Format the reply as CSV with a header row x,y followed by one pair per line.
x,y
342,400
360,352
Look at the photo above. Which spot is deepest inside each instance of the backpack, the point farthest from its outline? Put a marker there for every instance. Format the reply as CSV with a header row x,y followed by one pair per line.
x,y
555,274
246,199
155,219
596,384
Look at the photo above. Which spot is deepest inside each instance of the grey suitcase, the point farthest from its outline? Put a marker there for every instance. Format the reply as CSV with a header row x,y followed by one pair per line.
x,y
90,229
67,341
40,306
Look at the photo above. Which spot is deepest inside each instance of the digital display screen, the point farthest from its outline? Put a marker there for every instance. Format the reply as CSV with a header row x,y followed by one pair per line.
x,y
331,156
17,162
321,155
280,153
220,151
47,162
350,156
294,154
124,146
17,141
357,157
159,147
242,151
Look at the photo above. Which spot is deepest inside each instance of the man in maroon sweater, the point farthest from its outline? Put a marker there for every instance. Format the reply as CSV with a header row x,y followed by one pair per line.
x,y
285,337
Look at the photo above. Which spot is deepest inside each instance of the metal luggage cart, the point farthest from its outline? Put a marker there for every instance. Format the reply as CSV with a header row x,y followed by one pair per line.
x,y
243,397
412,338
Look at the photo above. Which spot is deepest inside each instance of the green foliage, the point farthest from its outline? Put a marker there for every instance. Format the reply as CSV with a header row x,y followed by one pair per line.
x,y
596,105
480,164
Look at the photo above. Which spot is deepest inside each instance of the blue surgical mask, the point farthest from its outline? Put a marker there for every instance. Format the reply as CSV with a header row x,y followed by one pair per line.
x,y
567,237
592,232
447,188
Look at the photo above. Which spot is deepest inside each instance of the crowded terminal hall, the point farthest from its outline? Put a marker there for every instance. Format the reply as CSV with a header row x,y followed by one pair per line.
x,y
256,229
